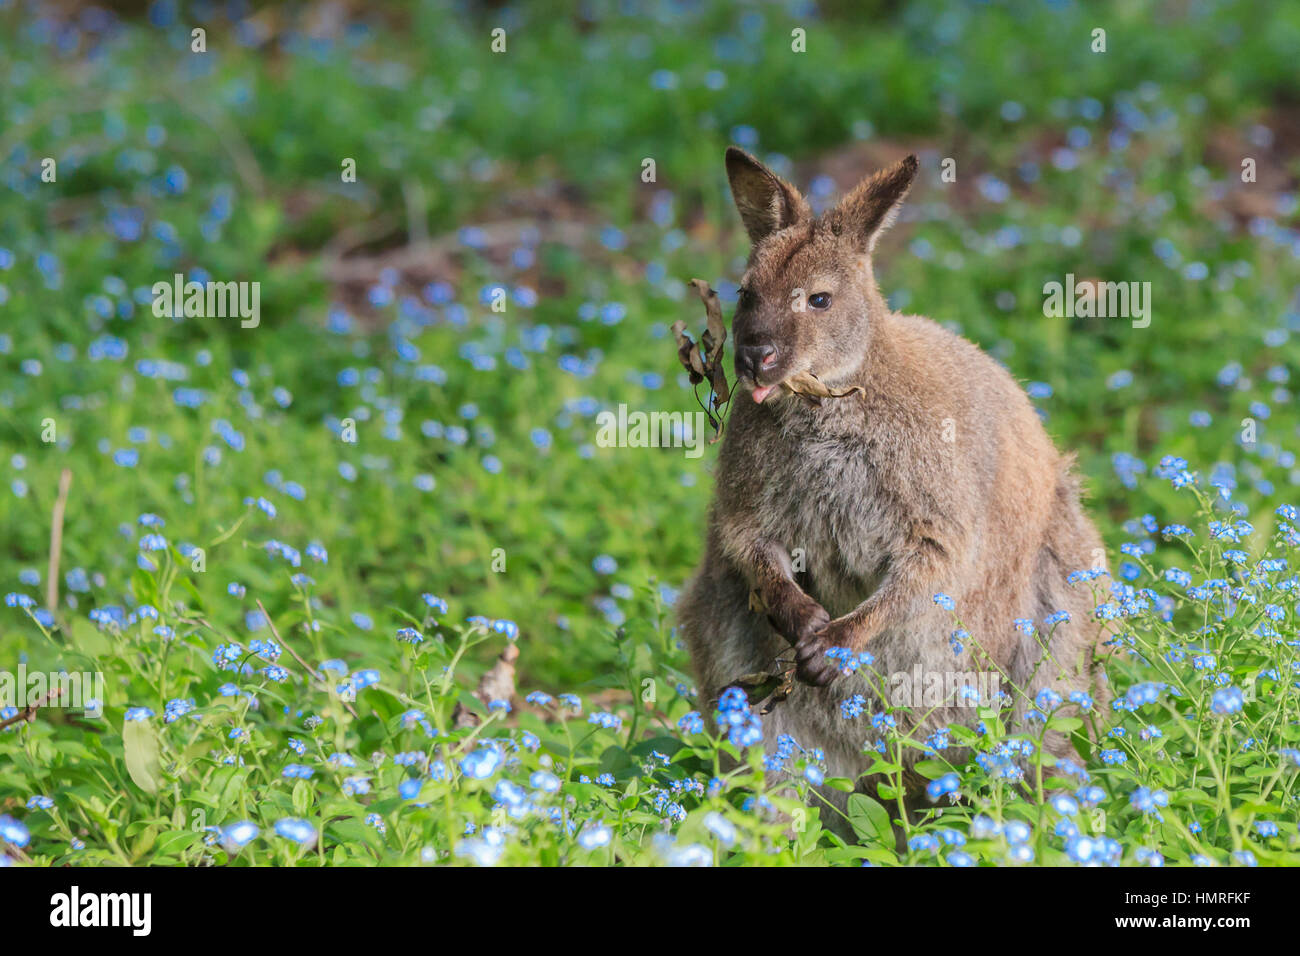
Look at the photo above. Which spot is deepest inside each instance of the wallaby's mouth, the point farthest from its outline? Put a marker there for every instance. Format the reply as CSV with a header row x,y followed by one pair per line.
x,y
765,377
760,392
760,366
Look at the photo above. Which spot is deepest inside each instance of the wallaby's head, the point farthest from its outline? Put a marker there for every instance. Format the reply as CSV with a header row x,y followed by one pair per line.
x,y
808,299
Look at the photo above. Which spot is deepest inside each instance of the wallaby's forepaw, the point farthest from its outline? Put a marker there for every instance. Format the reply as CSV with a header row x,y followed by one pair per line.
x,y
799,622
813,667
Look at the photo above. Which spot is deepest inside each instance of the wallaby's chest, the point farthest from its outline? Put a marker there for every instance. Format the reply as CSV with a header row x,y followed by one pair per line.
x,y
828,508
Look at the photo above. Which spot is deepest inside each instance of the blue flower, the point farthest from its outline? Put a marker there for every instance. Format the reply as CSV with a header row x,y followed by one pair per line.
x,y
13,831
852,707
720,827
177,708
410,789
609,721
1228,700
1017,831
593,836
948,783
482,763
409,635
299,831
743,727
923,843
1146,800
235,836
1064,804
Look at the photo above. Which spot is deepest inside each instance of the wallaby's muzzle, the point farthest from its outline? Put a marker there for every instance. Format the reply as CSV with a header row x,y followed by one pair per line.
x,y
751,360
759,367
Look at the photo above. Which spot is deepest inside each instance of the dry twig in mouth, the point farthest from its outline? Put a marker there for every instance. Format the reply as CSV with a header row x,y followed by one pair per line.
x,y
812,389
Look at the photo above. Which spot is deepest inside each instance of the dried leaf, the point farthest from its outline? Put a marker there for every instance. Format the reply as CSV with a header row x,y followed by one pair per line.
x,y
688,353
462,718
757,686
719,382
715,335
778,695
498,681
703,360
764,691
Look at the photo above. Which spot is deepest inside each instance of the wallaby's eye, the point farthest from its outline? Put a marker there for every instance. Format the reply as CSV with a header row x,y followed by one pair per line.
x,y
745,298
819,300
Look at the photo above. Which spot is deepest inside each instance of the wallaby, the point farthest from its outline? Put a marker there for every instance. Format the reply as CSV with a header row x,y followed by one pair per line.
x,y
844,519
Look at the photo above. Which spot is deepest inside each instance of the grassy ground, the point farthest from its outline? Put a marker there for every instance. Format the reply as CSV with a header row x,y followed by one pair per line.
x,y
475,476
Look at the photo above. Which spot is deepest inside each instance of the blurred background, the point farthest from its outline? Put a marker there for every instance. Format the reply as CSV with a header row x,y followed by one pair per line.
x,y
522,170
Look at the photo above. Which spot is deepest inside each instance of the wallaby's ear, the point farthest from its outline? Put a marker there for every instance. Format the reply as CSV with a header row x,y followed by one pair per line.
x,y
871,207
767,203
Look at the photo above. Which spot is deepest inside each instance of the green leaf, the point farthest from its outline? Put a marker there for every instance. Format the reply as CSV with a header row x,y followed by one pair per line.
x,y
870,820
174,841
142,762
931,769
146,840
668,746
1082,743
615,760
1064,724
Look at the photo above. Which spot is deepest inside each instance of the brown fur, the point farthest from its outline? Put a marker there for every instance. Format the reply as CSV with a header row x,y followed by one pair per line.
x,y
939,477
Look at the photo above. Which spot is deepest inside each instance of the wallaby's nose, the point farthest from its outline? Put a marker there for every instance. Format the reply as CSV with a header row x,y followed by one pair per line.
x,y
752,359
